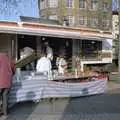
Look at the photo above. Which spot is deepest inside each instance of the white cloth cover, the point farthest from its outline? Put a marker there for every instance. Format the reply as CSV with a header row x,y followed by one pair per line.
x,y
38,87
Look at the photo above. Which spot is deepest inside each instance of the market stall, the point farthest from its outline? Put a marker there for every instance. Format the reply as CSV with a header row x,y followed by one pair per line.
x,y
74,48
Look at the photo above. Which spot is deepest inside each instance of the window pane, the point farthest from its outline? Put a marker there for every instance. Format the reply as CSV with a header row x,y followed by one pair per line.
x,y
82,3
94,22
82,20
105,23
53,17
105,6
71,20
53,3
42,5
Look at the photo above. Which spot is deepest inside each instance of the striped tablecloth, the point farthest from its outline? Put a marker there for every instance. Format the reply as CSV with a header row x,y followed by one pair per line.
x,y
35,88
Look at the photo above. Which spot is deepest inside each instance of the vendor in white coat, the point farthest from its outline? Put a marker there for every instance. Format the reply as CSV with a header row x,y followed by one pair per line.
x,y
62,65
43,64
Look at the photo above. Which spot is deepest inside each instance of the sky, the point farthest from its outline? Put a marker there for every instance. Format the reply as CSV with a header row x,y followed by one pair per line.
x,y
115,4
22,8
26,8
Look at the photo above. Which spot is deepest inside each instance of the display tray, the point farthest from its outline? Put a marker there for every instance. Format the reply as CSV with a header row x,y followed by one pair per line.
x,y
80,79
83,77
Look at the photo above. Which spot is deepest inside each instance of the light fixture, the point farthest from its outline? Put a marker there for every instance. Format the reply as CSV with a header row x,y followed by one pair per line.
x,y
43,38
93,42
67,43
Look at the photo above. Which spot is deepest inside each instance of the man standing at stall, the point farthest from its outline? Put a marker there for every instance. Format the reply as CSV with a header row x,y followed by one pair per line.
x,y
44,64
6,73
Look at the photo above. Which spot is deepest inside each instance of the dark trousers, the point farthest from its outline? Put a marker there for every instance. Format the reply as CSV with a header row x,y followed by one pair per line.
x,y
4,100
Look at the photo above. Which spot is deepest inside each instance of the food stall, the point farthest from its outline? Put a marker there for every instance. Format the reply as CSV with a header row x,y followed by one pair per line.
x,y
86,44
31,85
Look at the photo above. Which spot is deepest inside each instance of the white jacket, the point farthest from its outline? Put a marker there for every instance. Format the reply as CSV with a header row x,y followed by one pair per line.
x,y
43,65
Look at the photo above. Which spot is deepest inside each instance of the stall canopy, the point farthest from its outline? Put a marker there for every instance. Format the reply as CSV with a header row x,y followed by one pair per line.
x,y
38,29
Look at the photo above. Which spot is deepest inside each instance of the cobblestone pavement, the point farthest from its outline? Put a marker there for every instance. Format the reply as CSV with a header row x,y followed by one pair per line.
x,y
98,107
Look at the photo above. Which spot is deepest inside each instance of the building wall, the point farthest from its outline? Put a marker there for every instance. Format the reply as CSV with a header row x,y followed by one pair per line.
x,y
115,29
99,17
115,33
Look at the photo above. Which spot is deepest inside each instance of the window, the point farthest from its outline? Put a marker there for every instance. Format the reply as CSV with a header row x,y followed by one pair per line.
x,y
82,3
94,4
71,20
90,49
42,4
116,26
117,36
105,6
69,3
52,3
105,23
53,17
94,22
82,20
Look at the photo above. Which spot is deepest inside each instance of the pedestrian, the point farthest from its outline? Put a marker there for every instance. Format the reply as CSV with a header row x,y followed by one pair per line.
x,y
7,70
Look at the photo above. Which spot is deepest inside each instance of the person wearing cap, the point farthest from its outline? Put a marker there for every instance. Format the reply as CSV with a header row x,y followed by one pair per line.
x,y
49,51
62,65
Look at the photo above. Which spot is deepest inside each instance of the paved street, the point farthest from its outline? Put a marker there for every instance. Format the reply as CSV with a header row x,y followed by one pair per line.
x,y
99,107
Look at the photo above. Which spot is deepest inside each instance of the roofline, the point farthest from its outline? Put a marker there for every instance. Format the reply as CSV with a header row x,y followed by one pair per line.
x,y
15,27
